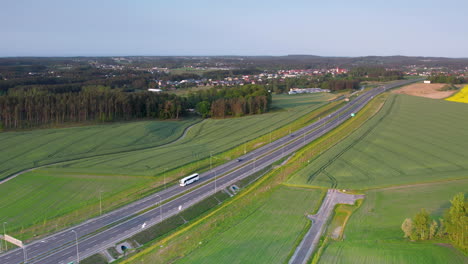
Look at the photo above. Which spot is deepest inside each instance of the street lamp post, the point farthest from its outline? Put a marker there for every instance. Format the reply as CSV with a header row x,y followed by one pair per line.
x,y
4,236
215,181
303,138
24,252
165,170
211,169
77,251
100,202
211,155
160,207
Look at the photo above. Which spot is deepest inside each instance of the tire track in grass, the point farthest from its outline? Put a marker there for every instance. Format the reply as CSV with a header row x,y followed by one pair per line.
x,y
350,146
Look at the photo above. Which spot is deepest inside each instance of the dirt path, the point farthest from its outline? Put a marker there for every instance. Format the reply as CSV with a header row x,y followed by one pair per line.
x,y
319,221
415,185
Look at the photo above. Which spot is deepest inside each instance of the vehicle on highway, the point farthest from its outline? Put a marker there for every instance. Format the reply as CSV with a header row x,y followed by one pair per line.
x,y
189,179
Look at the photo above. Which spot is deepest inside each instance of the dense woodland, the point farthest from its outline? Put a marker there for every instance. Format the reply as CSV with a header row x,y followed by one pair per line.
x,y
34,108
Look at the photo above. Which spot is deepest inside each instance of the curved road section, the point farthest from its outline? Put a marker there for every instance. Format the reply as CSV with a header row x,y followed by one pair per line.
x,y
102,232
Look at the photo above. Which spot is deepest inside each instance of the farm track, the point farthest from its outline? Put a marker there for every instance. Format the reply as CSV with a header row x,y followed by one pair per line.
x,y
338,155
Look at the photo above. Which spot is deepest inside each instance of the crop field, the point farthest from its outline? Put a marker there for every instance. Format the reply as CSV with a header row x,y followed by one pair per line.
x,y
461,96
211,135
411,140
265,231
34,198
219,135
26,149
373,233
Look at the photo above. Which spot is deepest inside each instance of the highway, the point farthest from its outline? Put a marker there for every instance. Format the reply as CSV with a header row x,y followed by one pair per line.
x,y
102,232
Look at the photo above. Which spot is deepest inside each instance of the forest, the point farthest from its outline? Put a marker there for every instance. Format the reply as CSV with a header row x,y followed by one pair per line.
x,y
38,108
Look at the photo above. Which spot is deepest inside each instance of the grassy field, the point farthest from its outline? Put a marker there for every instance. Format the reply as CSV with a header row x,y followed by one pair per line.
x,y
219,135
216,135
33,198
264,235
373,233
410,140
461,96
28,149
243,216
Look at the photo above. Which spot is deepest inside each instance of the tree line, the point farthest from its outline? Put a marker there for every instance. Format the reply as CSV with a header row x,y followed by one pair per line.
x,y
452,227
236,101
371,73
35,108
442,78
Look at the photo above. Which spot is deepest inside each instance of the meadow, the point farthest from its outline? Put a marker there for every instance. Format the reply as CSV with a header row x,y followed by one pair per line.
x,y
138,168
461,96
248,215
373,233
211,135
34,199
265,233
411,140
26,149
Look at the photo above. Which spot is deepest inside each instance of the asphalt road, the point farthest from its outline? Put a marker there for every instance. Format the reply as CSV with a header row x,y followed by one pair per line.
x,y
102,232
319,220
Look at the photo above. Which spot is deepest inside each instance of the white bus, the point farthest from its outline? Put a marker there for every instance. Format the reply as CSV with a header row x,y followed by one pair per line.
x,y
189,179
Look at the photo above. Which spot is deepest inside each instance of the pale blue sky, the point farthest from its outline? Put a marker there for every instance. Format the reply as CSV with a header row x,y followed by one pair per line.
x,y
239,27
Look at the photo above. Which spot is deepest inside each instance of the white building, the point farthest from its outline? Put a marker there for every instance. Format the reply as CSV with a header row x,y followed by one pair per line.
x,y
154,90
307,90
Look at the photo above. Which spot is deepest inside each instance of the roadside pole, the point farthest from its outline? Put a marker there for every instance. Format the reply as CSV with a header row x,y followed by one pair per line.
x,y
77,251
160,207
100,202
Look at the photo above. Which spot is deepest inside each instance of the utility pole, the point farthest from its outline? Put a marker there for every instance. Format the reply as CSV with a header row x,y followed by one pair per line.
x,y
77,251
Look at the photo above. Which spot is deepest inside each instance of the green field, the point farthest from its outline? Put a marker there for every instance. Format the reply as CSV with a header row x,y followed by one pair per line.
x,y
218,135
412,139
22,150
34,198
373,233
264,230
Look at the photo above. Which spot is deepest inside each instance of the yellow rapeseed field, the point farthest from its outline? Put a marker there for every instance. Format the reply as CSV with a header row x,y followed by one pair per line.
x,y
461,96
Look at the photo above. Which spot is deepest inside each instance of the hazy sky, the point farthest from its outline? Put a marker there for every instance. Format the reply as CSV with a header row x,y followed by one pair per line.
x,y
237,27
